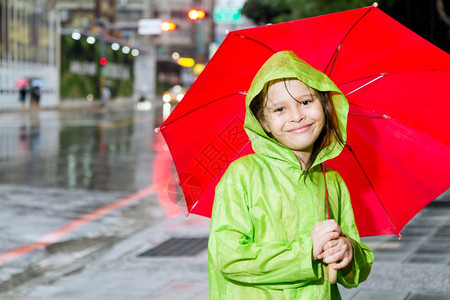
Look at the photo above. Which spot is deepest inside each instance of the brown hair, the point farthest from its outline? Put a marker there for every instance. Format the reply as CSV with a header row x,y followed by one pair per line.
x,y
330,129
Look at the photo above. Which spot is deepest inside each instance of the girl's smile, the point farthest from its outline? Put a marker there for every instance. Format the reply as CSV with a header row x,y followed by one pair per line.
x,y
300,129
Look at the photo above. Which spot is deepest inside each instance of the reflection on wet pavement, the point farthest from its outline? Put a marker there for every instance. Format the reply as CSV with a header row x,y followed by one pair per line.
x,y
57,166
78,149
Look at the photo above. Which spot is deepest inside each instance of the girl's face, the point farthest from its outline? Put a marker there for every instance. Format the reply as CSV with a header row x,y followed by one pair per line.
x,y
294,116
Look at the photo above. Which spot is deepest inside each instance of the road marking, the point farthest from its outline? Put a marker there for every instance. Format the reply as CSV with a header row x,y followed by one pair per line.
x,y
58,234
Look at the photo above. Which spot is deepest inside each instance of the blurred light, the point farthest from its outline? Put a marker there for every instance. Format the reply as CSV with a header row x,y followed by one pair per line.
x,y
143,106
180,97
76,35
168,26
103,61
166,110
135,52
166,97
198,68
126,49
177,88
90,97
196,14
90,40
186,62
115,46
175,55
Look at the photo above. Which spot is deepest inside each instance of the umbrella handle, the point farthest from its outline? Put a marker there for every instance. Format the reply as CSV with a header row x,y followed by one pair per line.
x,y
332,273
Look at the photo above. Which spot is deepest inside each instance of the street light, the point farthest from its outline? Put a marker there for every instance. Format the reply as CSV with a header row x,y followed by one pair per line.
x,y
175,55
135,52
115,46
76,35
126,49
90,40
168,26
196,14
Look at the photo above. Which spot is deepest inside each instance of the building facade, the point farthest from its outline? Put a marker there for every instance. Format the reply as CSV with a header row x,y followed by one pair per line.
x,y
29,50
120,19
32,31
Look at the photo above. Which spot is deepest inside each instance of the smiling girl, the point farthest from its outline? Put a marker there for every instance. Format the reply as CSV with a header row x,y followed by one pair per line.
x,y
270,237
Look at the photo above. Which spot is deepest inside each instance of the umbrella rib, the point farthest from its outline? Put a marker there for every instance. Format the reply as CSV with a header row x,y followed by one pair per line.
x,y
367,83
368,116
373,188
380,115
201,106
252,39
338,49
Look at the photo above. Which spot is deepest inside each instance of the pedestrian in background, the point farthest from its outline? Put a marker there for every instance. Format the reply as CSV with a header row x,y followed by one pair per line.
x,y
35,98
22,97
105,95
270,237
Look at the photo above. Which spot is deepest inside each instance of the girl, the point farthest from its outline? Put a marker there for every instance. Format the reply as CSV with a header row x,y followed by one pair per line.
x,y
270,237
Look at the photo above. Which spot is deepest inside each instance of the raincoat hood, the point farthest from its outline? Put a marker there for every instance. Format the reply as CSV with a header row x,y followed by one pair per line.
x,y
286,64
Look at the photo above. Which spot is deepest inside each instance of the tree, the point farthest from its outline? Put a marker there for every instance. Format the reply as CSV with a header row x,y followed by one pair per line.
x,y
265,11
428,18
276,11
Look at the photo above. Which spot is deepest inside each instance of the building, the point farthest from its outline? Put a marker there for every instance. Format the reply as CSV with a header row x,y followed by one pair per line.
x,y
31,30
29,50
120,20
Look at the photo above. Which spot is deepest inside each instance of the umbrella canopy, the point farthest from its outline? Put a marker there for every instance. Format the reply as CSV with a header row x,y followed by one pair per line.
x,y
397,155
21,83
37,82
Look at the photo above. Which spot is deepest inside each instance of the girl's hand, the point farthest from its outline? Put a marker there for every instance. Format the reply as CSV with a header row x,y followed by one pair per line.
x,y
323,233
338,250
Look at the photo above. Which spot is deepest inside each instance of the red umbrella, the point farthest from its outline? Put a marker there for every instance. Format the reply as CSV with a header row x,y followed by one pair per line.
x,y
397,158
22,82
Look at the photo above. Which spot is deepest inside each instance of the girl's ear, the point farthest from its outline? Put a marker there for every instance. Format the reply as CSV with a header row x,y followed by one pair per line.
x,y
264,125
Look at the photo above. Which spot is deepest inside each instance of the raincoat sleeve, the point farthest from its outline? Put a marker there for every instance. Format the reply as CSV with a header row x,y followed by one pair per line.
x,y
275,265
359,268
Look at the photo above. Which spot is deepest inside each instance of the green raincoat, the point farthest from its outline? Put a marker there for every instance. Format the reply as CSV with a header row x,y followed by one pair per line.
x,y
260,244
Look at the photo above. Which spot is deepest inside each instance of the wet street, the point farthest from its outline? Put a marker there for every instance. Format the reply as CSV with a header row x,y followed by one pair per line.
x,y
76,181
92,149
84,193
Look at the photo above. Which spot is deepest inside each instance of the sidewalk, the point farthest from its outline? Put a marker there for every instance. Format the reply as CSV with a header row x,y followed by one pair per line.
x,y
415,267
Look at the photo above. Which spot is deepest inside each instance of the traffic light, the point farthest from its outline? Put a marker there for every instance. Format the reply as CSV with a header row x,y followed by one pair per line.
x,y
103,61
196,14
168,26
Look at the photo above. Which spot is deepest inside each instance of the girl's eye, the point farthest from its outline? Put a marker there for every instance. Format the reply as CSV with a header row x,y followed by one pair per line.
x,y
306,102
279,109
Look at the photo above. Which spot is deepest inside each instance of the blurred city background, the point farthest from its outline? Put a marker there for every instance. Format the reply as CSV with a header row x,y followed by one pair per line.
x,y
138,49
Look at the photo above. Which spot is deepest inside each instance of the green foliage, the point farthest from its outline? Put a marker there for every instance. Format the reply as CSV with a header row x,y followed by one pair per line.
x,y
79,86
421,16
265,11
276,11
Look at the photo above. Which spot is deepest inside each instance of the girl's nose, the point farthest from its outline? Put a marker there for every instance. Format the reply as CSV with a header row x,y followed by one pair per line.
x,y
297,115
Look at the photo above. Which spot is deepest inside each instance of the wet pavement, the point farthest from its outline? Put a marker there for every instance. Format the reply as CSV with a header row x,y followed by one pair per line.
x,y
84,193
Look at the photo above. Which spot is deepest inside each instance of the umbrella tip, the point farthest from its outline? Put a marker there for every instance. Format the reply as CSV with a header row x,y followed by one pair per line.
x,y
399,236
157,130
375,4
